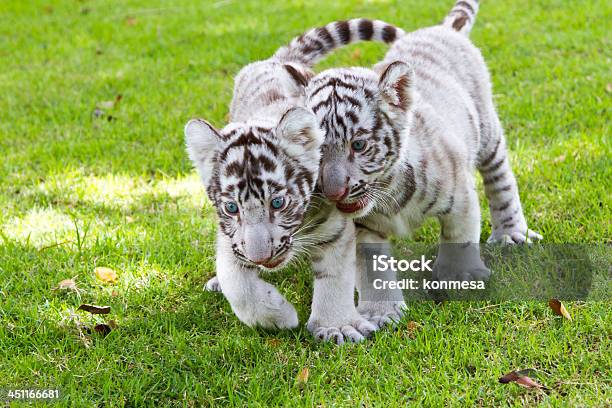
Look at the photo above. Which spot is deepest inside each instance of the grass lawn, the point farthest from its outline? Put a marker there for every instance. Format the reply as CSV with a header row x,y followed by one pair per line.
x,y
82,188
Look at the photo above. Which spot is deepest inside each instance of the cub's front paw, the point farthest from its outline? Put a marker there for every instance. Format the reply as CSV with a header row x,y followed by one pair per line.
x,y
213,285
264,307
352,331
509,237
382,313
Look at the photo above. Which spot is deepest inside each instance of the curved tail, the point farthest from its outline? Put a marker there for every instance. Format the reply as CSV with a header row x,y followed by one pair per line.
x,y
316,43
462,16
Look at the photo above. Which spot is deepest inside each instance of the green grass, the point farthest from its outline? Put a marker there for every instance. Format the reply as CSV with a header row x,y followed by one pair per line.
x,y
78,192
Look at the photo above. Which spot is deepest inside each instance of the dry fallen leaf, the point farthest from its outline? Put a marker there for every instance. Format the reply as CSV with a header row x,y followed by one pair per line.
x,y
302,377
520,377
356,54
559,309
93,309
609,88
67,284
131,21
411,329
106,275
103,329
274,342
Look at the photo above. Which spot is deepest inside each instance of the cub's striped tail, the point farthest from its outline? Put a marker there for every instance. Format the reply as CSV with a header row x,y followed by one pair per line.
x,y
316,43
462,16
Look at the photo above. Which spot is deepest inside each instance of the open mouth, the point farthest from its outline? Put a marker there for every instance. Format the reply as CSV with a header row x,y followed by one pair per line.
x,y
352,207
273,263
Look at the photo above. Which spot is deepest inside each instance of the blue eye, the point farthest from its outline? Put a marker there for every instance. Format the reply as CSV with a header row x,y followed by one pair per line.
x,y
358,145
278,202
231,207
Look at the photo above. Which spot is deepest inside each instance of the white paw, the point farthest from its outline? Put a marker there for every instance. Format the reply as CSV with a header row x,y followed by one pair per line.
x,y
382,313
352,331
514,237
213,285
268,309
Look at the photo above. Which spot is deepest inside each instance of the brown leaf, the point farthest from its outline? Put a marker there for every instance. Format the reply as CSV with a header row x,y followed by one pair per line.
x,y
103,329
609,88
521,378
93,309
106,275
356,54
558,308
131,21
412,328
528,382
274,342
302,377
67,284
510,377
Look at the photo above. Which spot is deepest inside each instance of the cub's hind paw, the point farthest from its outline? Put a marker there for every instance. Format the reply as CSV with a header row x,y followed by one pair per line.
x,y
213,285
354,332
382,313
514,237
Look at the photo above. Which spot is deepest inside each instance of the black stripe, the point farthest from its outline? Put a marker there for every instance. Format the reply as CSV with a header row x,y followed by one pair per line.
x,y
409,186
504,206
336,235
490,157
388,34
436,194
366,29
494,179
465,5
504,188
325,36
344,31
296,75
496,165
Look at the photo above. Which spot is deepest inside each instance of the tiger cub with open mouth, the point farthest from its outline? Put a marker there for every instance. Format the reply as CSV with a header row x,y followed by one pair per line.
x,y
402,141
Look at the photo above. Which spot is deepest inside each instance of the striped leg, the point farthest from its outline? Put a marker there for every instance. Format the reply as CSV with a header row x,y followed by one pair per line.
x,y
508,223
382,306
334,316
459,252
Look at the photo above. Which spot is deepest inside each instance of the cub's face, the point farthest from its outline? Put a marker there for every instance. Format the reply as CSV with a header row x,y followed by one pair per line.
x,y
260,179
363,116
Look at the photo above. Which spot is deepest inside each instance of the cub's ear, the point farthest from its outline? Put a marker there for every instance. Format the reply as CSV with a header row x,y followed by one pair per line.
x,y
202,139
299,75
300,136
396,87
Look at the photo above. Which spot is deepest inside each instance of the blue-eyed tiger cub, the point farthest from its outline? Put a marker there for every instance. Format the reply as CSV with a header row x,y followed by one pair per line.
x,y
260,172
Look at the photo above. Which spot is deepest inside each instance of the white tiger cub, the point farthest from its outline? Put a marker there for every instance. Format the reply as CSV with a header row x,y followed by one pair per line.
x,y
260,173
402,141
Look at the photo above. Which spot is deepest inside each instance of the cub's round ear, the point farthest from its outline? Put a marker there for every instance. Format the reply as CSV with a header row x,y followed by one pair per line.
x,y
299,75
300,135
202,139
396,86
